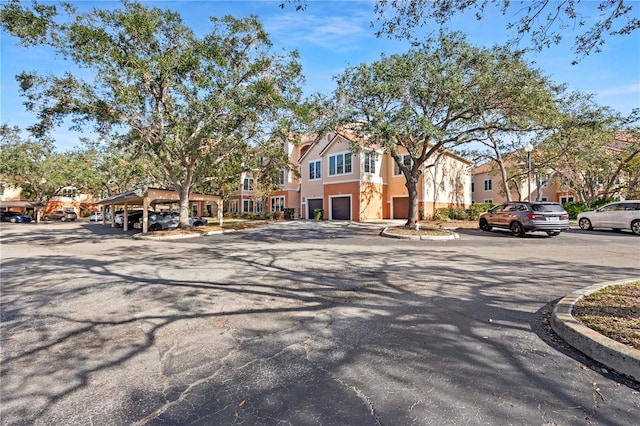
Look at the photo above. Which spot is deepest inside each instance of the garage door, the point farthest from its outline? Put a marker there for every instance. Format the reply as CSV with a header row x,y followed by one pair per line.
x,y
401,208
312,205
341,208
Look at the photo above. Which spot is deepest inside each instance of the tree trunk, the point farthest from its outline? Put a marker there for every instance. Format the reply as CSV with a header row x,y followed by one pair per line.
x,y
412,187
220,213
184,207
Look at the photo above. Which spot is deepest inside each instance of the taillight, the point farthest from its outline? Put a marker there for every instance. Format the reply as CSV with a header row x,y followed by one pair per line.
x,y
565,216
533,216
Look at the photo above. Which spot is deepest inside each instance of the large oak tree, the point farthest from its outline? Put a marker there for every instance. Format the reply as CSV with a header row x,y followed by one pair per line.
x,y
438,96
191,103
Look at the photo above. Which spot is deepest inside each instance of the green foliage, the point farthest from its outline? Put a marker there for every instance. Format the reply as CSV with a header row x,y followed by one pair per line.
x,y
437,96
318,214
193,106
476,209
575,208
36,167
542,21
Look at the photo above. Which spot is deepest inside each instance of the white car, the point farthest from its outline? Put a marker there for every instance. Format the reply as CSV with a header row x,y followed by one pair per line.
x,y
96,217
617,216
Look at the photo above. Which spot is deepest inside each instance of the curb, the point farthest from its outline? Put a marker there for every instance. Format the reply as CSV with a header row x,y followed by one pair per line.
x,y
619,357
452,236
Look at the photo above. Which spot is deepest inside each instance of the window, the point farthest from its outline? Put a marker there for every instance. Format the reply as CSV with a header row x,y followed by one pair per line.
x,y
283,176
247,184
194,210
233,206
566,200
473,187
251,206
370,162
488,185
406,160
277,204
340,164
314,170
208,208
488,200
544,198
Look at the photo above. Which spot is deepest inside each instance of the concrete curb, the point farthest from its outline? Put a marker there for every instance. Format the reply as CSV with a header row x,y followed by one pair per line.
x,y
452,236
619,357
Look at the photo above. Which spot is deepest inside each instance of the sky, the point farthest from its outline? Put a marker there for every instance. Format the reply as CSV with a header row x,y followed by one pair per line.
x,y
333,35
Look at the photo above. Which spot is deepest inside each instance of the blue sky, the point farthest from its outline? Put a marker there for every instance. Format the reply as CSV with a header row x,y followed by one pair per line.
x,y
332,35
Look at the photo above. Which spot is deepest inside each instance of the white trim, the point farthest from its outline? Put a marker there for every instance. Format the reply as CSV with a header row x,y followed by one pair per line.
x,y
340,181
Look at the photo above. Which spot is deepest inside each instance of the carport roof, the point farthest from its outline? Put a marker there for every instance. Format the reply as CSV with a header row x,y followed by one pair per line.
x,y
154,195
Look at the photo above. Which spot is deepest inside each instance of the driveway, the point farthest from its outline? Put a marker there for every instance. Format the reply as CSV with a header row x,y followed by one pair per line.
x,y
301,323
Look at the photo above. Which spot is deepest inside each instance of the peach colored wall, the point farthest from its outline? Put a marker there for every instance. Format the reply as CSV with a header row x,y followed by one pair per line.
x,y
371,201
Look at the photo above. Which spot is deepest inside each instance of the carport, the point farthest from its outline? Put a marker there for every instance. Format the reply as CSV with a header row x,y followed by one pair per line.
x,y
148,198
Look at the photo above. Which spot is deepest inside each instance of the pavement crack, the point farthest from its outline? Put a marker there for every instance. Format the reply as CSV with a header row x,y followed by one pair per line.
x,y
368,402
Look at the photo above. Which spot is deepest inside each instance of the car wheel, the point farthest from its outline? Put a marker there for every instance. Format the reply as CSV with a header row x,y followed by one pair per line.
x,y
517,229
553,233
155,227
484,225
585,224
62,219
635,227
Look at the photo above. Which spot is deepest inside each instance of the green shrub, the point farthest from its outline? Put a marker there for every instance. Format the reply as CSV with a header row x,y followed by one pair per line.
x,y
318,214
441,214
476,209
574,208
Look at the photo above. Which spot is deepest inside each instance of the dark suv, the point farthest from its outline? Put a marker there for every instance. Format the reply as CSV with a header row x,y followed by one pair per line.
x,y
61,215
520,217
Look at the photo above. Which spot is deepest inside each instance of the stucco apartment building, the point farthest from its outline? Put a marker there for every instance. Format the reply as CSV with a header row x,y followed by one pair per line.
x,y
360,186
487,187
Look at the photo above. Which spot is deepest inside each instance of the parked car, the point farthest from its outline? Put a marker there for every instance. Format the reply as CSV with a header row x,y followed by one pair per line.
x,y
159,221
132,217
617,216
521,217
60,215
96,217
14,217
170,220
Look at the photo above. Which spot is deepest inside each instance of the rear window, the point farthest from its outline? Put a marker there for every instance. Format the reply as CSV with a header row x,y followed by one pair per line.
x,y
554,208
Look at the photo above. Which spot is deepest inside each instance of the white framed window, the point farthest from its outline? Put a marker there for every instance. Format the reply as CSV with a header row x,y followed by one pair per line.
x,y
370,159
247,184
233,206
277,204
340,164
251,206
315,168
566,199
406,160
194,210
488,185
283,176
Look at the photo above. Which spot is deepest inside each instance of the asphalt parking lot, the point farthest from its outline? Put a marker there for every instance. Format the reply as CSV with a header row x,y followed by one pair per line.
x,y
301,323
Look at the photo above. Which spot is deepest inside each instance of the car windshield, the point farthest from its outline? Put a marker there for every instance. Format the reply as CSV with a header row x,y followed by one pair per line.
x,y
553,208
